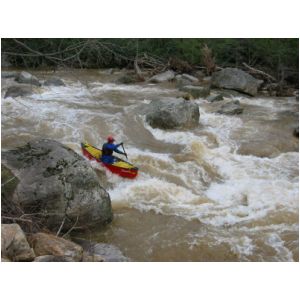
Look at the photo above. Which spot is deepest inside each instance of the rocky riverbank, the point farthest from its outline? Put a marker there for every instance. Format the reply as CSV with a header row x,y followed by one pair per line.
x,y
47,186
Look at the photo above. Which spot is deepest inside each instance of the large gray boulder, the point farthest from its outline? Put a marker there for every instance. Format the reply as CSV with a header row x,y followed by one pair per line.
x,y
18,91
162,77
196,91
174,113
14,245
25,77
58,184
235,79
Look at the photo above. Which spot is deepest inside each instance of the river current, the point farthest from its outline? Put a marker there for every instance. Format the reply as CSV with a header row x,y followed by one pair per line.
x,y
227,190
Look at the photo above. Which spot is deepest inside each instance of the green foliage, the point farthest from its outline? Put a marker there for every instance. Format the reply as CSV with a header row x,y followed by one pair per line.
x,y
270,55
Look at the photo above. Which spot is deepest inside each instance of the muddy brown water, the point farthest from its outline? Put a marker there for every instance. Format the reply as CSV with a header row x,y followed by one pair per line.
x,y
225,191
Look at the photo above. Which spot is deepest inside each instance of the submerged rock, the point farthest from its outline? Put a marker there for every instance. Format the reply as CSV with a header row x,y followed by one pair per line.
x,y
16,91
14,245
232,78
231,108
54,81
215,98
25,77
168,114
162,77
106,252
57,183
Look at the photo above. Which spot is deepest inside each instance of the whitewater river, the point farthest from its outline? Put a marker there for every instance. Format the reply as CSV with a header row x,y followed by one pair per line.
x,y
225,191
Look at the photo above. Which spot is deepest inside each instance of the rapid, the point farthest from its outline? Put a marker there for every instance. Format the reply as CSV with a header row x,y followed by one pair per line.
x,y
227,190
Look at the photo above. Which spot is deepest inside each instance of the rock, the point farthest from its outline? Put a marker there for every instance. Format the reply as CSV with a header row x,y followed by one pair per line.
x,y
168,114
231,108
180,81
296,132
235,79
48,244
4,259
9,183
190,78
52,258
9,74
54,81
87,257
162,77
196,91
207,79
199,74
16,91
56,181
215,98
25,77
106,252
14,245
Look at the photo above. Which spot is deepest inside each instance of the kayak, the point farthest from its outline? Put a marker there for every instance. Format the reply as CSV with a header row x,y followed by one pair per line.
x,y
119,167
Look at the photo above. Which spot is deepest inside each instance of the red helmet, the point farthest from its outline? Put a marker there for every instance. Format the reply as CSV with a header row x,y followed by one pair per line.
x,y
110,139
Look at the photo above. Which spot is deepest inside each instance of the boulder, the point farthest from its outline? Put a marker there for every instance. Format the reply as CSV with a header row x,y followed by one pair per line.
x,y
235,79
196,91
215,98
98,251
190,78
181,82
9,183
231,108
54,81
52,258
49,244
162,77
25,77
168,114
207,79
16,91
14,245
59,184
9,74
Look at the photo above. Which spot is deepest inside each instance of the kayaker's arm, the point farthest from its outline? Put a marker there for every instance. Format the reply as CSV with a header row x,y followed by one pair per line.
x,y
115,148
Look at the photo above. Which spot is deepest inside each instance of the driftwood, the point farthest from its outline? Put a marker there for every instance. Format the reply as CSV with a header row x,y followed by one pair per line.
x,y
264,75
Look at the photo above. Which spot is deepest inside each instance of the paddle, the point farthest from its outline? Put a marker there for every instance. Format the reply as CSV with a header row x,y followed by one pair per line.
x,y
124,151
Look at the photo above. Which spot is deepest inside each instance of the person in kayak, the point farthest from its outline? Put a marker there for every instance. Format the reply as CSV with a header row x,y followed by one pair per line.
x,y
107,150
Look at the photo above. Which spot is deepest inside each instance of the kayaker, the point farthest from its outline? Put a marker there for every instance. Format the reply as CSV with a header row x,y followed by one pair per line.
x,y
107,150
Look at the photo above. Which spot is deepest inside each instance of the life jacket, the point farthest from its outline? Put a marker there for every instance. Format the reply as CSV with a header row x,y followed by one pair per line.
x,y
106,150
